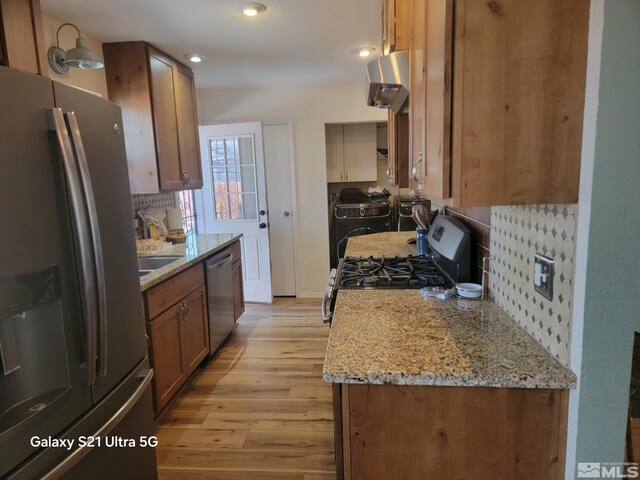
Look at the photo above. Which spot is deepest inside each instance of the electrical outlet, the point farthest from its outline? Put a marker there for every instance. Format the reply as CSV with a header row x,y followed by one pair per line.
x,y
543,271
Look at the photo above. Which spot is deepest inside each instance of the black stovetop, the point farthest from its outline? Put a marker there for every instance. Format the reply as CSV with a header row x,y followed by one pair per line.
x,y
394,272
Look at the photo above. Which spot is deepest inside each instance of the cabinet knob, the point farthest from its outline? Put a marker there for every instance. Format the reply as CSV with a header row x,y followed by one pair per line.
x,y
262,212
286,214
262,226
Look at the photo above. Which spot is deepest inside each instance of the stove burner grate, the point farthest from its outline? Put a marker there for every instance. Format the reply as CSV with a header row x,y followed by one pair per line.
x,y
399,272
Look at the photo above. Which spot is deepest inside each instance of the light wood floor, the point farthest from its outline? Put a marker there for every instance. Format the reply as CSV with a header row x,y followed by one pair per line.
x,y
259,410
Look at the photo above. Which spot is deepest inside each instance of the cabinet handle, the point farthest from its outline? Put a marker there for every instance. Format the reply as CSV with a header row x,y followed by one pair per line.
x,y
184,309
414,170
346,174
184,177
341,175
188,177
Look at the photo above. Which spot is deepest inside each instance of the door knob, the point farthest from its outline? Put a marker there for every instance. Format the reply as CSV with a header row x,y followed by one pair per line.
x,y
262,225
286,214
262,212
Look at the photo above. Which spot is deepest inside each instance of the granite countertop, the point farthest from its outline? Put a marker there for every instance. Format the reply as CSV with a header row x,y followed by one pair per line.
x,y
399,337
386,244
196,249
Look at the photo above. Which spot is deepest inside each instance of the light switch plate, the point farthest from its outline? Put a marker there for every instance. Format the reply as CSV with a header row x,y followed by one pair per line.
x,y
543,271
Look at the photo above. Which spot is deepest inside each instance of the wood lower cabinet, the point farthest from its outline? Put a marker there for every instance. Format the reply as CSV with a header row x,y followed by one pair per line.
x,y
159,115
22,43
194,334
450,433
238,289
178,329
497,98
167,355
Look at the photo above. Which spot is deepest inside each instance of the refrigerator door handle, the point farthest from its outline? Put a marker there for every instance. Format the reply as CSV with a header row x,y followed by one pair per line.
x,y
92,216
115,419
83,236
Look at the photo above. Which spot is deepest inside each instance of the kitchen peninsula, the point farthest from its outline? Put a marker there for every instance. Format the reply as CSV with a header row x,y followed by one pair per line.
x,y
426,386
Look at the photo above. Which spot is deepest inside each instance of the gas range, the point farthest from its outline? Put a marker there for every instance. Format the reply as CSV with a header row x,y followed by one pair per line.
x,y
448,264
398,272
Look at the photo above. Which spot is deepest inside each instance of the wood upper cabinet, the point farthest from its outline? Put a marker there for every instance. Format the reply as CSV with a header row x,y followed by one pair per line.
x,y
398,149
498,110
417,106
157,96
395,25
22,43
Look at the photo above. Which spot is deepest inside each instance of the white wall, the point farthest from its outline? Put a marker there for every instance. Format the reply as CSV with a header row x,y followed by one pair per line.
x,y
94,80
309,108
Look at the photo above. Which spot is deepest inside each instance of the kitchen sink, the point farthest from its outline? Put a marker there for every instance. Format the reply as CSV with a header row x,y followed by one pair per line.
x,y
148,264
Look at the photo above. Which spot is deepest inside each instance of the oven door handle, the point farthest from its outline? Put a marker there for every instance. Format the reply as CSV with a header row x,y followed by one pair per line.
x,y
328,293
326,318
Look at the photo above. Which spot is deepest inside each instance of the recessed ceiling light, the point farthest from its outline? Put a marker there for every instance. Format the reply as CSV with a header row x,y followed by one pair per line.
x,y
250,9
366,51
193,57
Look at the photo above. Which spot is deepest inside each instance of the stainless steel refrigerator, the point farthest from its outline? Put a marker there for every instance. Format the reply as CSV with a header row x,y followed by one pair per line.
x,y
72,343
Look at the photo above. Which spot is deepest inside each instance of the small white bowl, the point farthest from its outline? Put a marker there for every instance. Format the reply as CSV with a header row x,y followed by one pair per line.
x,y
469,290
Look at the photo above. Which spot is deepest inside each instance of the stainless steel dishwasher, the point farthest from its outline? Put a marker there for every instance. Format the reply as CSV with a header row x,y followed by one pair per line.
x,y
220,296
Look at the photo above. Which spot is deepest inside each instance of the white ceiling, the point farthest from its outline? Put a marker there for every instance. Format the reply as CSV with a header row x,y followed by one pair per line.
x,y
294,42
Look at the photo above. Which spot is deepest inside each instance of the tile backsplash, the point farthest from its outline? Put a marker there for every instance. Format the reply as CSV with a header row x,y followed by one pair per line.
x,y
161,200
517,234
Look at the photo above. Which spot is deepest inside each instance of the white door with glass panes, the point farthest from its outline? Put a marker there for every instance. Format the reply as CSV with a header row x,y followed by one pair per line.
x,y
234,198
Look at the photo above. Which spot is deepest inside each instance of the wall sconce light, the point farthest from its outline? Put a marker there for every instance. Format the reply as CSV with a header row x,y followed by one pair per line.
x,y
79,57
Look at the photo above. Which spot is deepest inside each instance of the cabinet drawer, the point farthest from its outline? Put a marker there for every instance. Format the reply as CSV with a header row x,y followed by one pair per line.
x,y
236,250
169,293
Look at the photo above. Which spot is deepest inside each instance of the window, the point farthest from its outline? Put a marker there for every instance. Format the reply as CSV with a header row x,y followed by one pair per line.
x,y
187,206
233,172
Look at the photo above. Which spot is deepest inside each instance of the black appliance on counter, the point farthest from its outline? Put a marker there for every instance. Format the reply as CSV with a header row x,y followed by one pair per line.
x,y
449,264
354,214
73,355
403,207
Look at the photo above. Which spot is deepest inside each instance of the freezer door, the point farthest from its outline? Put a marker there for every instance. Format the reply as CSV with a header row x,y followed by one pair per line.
x,y
43,365
126,413
121,342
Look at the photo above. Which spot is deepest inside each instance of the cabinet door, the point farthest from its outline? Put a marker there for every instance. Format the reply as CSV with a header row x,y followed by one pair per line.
x,y
398,149
360,155
194,329
417,104
187,126
439,48
334,135
238,290
168,361
395,25
165,121
22,43
519,82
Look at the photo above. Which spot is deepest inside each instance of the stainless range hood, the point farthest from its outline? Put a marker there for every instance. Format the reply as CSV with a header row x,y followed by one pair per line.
x,y
389,81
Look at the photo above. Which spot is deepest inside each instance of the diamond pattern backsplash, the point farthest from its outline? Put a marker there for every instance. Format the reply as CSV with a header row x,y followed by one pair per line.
x,y
518,232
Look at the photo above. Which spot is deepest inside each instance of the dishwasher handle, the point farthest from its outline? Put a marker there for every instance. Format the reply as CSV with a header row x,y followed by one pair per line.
x,y
225,261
